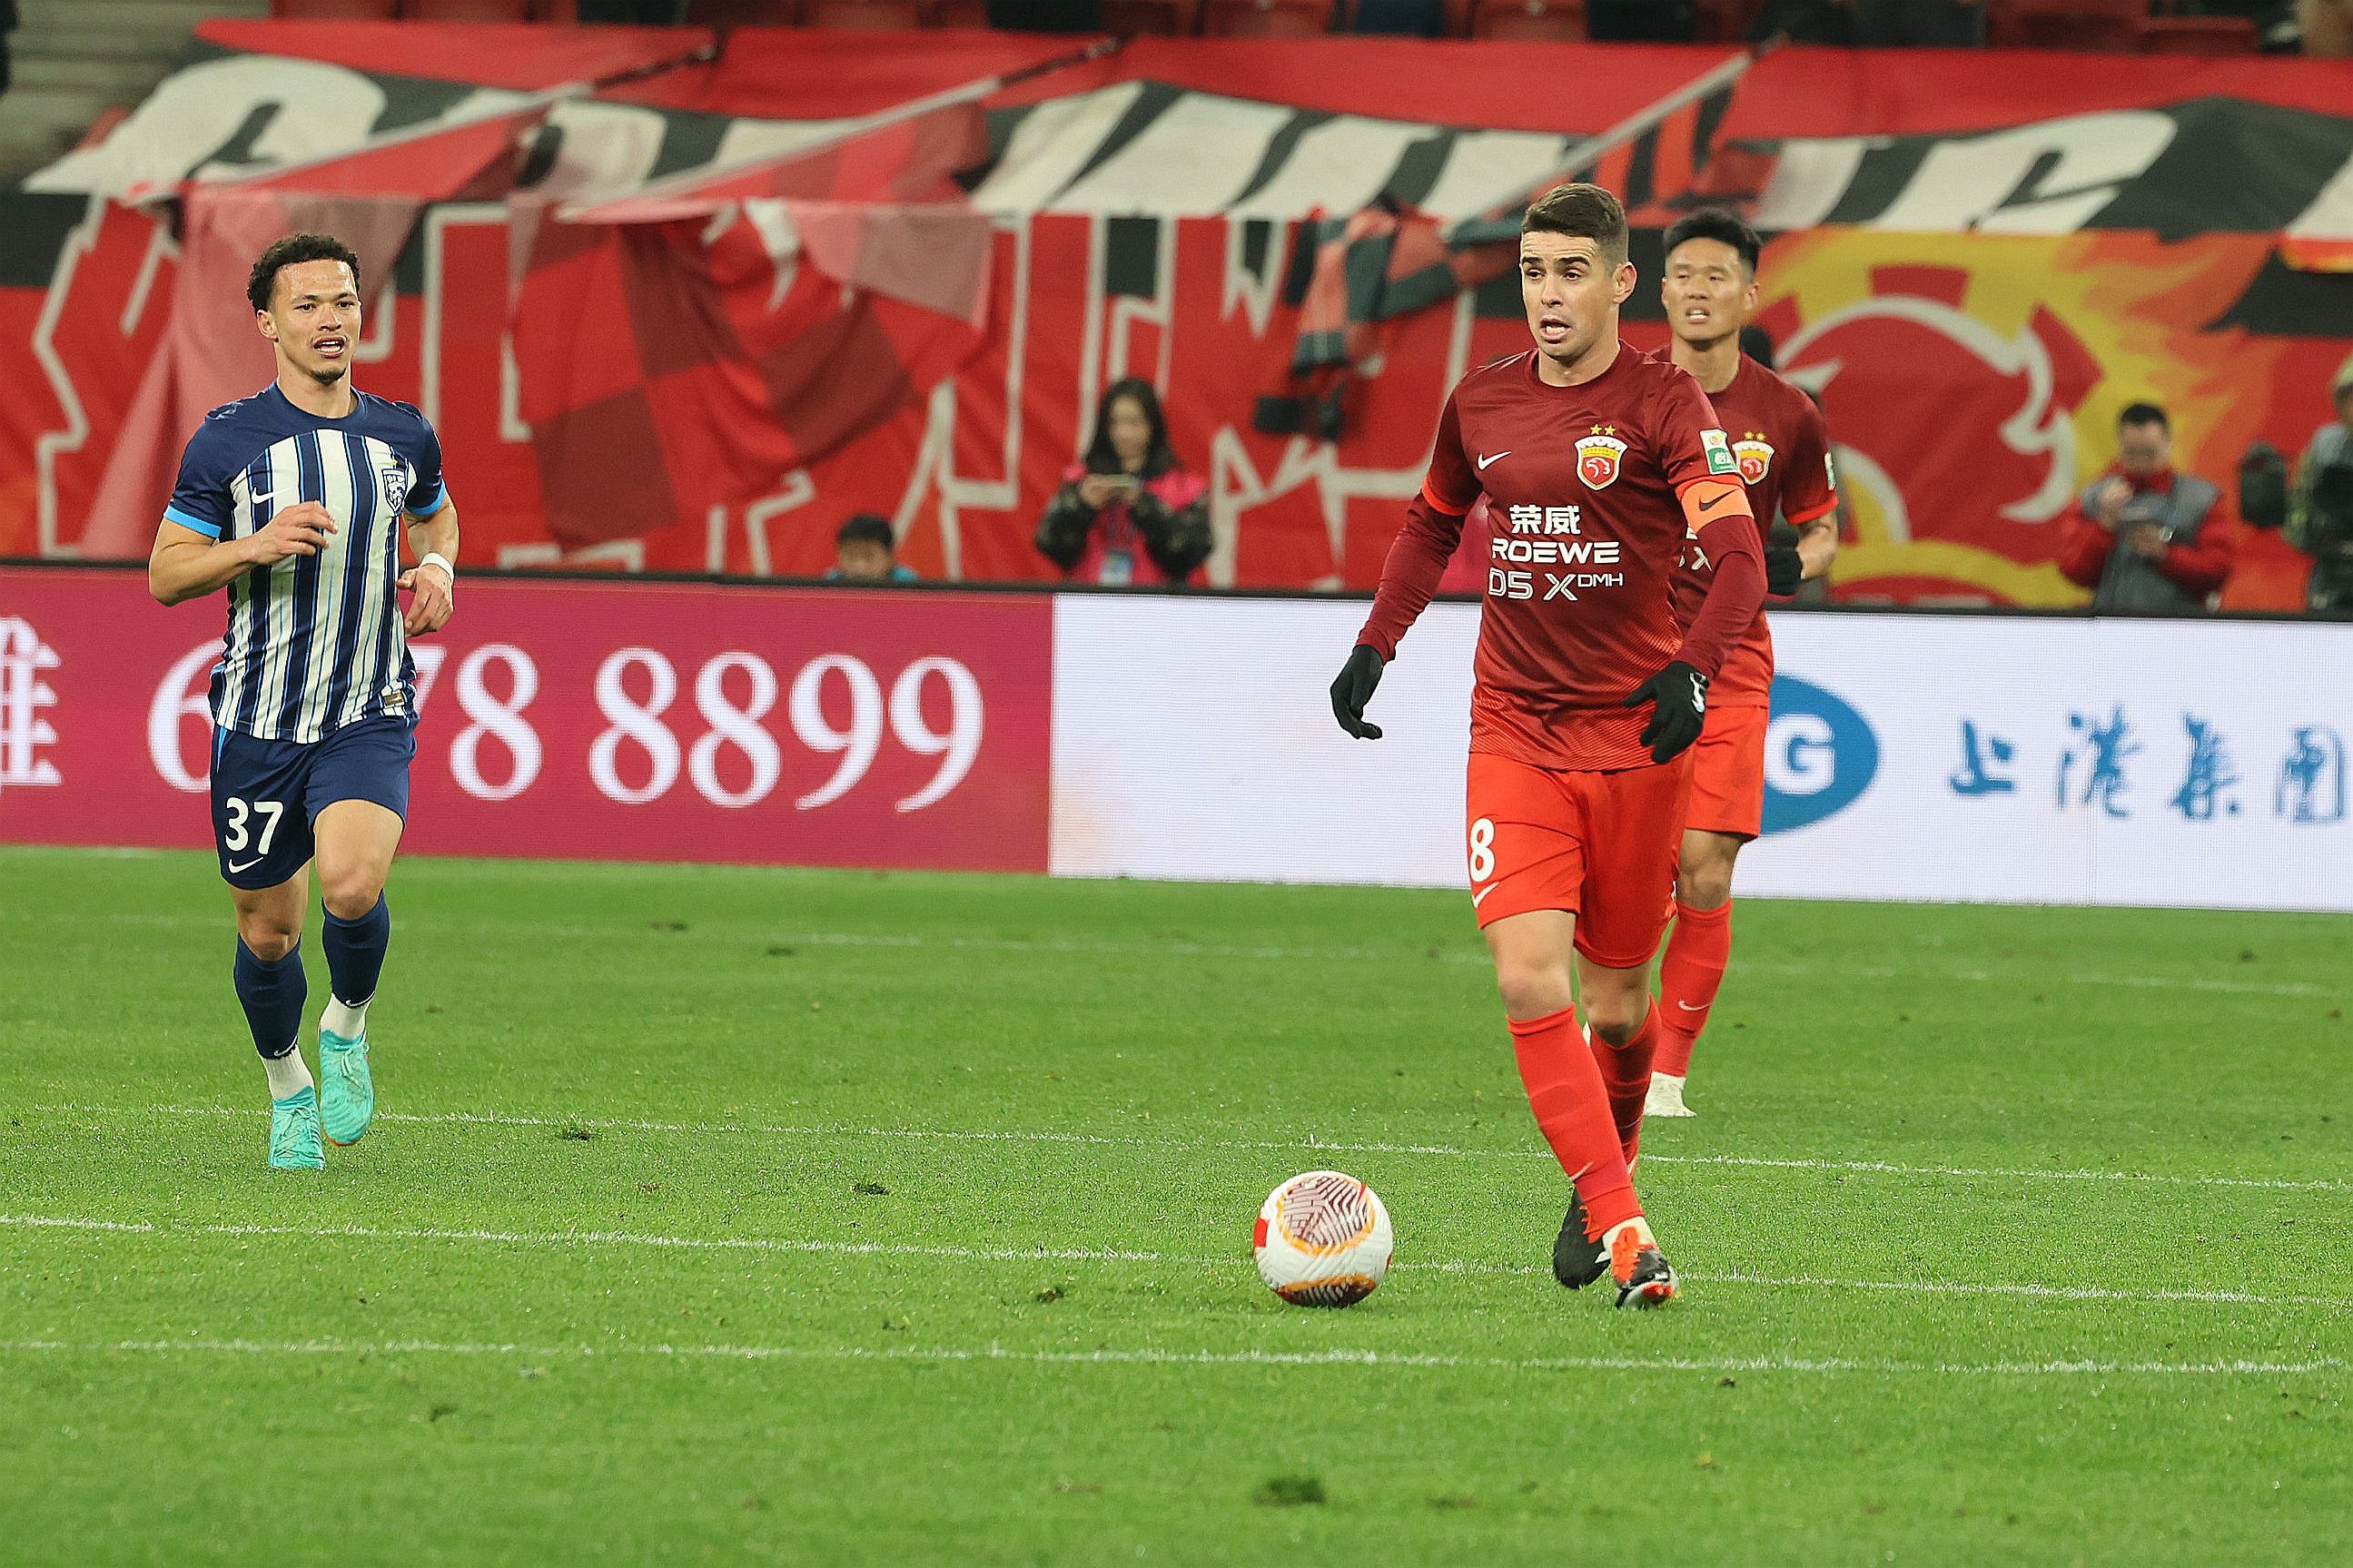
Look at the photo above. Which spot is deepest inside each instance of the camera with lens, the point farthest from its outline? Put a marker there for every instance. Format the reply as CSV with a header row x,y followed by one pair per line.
x,y
2328,537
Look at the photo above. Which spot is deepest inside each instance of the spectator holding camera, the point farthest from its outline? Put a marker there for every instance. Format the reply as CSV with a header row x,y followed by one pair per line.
x,y
2146,537
1129,514
2320,508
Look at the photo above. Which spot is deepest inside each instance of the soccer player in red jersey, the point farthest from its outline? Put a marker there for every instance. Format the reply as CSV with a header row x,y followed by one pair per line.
x,y
1596,460
1784,453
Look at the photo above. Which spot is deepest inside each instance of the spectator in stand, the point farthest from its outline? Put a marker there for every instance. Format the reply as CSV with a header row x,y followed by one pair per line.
x,y
2327,27
2146,537
2320,508
865,551
1130,514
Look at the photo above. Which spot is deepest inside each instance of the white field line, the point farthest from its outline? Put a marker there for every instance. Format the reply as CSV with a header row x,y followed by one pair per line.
x,y
1343,1358
592,1238
1308,1145
1179,948
611,1238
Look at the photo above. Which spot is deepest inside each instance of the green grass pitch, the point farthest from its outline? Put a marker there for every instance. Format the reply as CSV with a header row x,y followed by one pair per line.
x,y
746,1216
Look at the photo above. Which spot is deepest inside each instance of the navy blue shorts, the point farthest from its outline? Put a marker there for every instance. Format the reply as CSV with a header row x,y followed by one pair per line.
x,y
267,794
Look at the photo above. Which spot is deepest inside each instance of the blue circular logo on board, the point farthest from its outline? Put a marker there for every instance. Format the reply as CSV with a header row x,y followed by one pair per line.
x,y
1820,755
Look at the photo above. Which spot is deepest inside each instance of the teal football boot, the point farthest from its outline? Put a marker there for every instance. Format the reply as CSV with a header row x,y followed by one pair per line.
x,y
294,1133
346,1091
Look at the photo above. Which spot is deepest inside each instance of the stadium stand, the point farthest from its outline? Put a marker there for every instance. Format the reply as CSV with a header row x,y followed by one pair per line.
x,y
487,10
335,10
75,62
1150,19
2213,36
2122,26
2112,26
1271,18
872,13
1529,21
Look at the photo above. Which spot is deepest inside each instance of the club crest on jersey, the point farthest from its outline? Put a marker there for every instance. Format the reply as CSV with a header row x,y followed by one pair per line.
x,y
1597,458
396,488
1755,456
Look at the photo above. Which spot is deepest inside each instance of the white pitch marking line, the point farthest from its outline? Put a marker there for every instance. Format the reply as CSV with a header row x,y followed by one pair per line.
x,y
1345,1358
1117,1255
1177,947
618,1238
711,1129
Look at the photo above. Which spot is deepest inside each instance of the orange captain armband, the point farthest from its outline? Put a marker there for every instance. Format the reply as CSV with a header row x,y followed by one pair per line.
x,y
1439,503
1712,499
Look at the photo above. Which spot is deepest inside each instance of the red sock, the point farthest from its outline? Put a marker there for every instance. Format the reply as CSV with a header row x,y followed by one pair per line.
x,y
1572,1109
1688,977
1626,1074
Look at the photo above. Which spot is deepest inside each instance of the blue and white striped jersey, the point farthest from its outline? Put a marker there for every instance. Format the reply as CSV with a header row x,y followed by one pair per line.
x,y
315,642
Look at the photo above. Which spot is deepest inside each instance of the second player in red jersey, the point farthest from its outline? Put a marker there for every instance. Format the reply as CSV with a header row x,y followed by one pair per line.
x,y
1596,463
1783,449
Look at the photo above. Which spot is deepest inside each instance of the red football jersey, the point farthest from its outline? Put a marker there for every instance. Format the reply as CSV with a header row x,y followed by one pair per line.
x,y
1783,452
1584,487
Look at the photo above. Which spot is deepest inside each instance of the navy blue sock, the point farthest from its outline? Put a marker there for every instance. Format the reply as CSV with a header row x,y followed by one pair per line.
x,y
273,994
355,953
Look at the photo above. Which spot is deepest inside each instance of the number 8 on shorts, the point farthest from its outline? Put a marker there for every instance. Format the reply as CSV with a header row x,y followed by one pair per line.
x,y
1482,850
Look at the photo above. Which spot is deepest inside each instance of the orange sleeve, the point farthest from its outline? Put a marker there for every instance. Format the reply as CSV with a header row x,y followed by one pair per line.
x,y
1708,499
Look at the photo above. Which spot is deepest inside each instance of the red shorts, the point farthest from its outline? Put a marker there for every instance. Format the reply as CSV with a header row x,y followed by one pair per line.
x,y
1727,792
1602,846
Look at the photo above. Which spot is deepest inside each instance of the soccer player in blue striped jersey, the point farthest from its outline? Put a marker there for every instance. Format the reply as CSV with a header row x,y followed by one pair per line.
x,y
294,500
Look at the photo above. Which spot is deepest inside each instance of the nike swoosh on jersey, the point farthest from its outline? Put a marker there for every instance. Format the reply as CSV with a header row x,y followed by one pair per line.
x,y
249,865
1496,459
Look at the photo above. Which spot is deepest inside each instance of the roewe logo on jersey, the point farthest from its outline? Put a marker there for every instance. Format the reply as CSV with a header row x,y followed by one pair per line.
x,y
1597,456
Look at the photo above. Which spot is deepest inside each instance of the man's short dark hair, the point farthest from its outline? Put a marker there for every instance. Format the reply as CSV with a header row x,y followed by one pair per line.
x,y
1716,223
1582,212
866,528
2144,413
290,251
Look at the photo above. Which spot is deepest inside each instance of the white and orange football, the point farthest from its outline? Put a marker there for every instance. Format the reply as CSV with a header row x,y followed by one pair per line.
x,y
1322,1240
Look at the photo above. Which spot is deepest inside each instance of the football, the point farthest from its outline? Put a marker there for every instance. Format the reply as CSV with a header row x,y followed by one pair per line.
x,y
1322,1240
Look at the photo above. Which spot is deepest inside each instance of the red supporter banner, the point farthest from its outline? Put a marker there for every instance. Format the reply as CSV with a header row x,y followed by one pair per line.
x,y
638,721
1975,260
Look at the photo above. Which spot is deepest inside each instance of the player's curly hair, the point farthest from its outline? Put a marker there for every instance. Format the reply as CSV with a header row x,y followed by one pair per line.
x,y
1719,225
1582,212
288,252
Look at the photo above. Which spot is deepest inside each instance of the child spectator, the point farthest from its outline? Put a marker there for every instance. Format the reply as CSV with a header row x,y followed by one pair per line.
x,y
865,551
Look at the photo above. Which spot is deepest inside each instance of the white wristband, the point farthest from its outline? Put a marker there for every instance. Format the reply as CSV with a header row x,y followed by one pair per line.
x,y
435,558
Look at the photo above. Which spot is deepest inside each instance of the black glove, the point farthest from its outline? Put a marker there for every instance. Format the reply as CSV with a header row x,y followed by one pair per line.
x,y
1680,695
1784,570
1358,679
